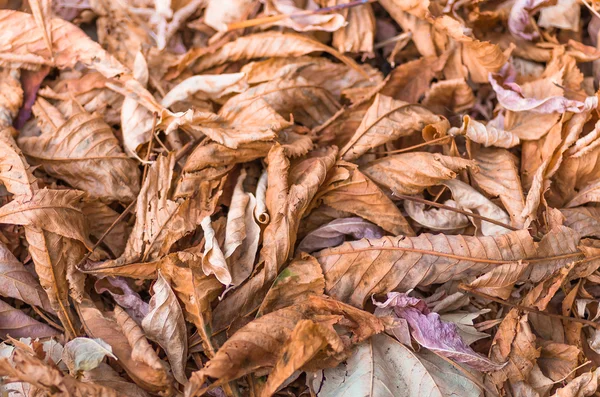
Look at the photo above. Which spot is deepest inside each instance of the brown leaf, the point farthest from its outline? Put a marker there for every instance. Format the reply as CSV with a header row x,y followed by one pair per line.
x,y
84,152
386,120
32,370
15,172
411,173
350,190
124,342
16,282
410,81
16,324
301,279
260,343
166,326
449,96
498,176
11,98
56,211
584,220
334,233
402,263
259,45
436,218
359,32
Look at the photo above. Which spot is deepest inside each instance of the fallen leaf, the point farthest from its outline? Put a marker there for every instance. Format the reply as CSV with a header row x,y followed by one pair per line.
x,y
85,354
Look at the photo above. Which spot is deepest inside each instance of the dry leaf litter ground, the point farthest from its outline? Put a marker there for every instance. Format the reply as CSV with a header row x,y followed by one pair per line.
x,y
299,198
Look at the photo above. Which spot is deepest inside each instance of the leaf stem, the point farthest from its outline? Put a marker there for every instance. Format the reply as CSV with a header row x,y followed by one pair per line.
x,y
447,207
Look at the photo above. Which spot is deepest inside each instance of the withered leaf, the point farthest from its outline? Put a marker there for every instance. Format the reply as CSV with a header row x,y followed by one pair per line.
x,y
17,324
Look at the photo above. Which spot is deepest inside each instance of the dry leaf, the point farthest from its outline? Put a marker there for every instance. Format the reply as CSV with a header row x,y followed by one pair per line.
x,y
17,324
85,354
165,325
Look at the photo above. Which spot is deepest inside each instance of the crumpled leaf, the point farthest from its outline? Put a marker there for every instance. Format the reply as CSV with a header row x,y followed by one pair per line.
x,y
165,325
334,233
519,18
500,281
382,365
124,295
213,261
15,172
85,354
487,135
218,14
313,22
206,86
434,334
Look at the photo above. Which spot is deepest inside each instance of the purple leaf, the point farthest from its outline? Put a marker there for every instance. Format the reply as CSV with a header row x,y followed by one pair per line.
x,y
428,329
519,18
17,324
125,296
509,95
334,233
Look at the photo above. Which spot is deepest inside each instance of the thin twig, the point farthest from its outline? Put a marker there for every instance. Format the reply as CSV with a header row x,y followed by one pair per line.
x,y
447,207
399,37
530,309
407,149
275,18
48,319
589,6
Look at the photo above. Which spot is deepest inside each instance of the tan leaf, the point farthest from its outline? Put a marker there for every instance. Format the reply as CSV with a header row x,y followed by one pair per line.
x,y
386,120
382,364
260,343
32,370
557,360
11,98
98,325
410,81
350,190
310,104
15,172
136,120
218,15
259,45
100,217
500,281
540,296
588,194
418,8
106,376
514,343
437,218
301,279
498,176
195,290
358,33
165,325
160,221
469,198
207,87
487,135
584,385
85,354
213,261
411,173
85,153
16,282
312,22
55,257
242,233
56,211
584,220
449,96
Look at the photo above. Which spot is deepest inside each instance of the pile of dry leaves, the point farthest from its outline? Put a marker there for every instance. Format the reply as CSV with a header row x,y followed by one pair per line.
x,y
299,198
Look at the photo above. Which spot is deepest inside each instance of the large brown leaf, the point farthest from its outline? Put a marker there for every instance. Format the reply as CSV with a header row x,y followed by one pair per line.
x,y
261,343
260,45
386,120
15,172
356,270
84,153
